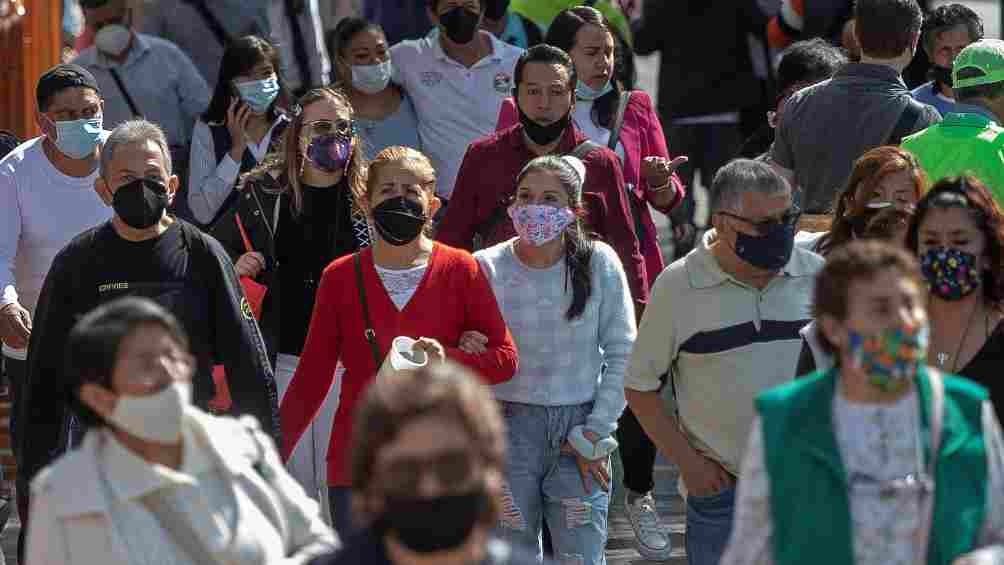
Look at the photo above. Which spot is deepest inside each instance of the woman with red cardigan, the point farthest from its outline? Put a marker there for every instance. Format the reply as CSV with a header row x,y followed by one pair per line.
x,y
649,177
412,287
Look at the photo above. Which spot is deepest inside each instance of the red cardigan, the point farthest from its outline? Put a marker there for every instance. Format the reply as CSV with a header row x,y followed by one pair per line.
x,y
453,297
641,136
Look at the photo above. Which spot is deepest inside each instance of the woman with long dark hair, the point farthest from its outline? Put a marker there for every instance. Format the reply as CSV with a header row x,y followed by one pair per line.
x,y
958,234
566,300
384,113
294,215
240,127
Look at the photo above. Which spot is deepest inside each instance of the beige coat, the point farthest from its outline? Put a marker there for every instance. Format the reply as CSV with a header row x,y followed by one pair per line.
x,y
71,500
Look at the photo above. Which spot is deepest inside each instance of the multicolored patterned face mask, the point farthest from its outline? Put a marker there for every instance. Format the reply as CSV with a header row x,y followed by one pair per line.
x,y
537,224
890,358
950,272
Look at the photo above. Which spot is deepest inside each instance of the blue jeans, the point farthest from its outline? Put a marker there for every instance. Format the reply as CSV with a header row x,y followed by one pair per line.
x,y
544,484
709,524
340,505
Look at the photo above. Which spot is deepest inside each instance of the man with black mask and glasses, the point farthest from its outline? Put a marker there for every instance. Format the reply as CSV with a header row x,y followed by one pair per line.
x,y
142,251
723,324
457,77
545,96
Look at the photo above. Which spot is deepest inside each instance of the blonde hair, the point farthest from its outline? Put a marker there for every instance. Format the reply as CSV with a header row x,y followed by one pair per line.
x,y
416,160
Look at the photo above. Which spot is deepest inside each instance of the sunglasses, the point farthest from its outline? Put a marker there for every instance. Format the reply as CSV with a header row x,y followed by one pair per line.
x,y
789,218
404,475
318,128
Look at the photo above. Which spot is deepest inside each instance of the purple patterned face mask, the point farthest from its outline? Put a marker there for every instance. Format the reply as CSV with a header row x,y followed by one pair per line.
x,y
329,153
537,224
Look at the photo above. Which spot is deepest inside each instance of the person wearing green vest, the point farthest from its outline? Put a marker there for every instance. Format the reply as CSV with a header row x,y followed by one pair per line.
x,y
970,139
881,459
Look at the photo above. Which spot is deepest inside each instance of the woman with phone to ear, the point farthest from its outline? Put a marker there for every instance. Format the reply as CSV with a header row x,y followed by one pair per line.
x,y
241,126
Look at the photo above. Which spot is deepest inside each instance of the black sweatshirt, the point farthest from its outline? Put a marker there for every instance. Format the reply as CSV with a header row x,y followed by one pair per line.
x,y
183,270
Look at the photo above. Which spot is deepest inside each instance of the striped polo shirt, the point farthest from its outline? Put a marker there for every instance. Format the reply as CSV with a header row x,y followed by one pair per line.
x,y
723,342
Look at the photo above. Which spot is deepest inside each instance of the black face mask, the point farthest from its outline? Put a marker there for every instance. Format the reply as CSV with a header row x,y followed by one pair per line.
x,y
411,519
940,75
140,203
769,251
399,220
543,135
460,24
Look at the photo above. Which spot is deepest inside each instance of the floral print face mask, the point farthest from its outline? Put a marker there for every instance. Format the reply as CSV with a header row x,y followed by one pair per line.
x,y
950,272
537,224
890,358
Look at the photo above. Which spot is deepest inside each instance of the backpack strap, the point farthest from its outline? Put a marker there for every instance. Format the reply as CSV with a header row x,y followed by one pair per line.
x,y
904,125
615,129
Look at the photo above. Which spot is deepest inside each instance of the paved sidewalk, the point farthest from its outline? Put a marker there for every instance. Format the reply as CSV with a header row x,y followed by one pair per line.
x,y
621,544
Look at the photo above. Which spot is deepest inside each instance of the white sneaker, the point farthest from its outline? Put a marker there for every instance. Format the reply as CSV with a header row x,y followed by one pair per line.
x,y
651,537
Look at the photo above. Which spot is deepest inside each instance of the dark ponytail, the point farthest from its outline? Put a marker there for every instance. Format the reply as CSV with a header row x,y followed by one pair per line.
x,y
578,268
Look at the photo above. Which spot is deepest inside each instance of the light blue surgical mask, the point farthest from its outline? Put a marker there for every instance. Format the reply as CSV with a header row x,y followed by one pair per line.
x,y
585,92
259,94
372,79
77,138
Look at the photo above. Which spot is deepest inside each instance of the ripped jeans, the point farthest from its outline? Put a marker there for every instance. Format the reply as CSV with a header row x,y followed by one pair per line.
x,y
542,483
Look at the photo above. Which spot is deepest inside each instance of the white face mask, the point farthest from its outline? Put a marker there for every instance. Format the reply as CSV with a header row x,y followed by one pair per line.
x,y
113,39
372,78
155,417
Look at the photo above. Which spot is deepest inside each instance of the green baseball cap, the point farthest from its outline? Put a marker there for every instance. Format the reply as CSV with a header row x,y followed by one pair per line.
x,y
987,56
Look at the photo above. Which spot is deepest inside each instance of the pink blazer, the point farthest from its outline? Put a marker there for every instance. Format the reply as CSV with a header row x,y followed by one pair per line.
x,y
641,136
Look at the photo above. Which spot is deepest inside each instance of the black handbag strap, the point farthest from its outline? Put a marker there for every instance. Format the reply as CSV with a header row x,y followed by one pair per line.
x,y
370,333
125,93
615,130
211,21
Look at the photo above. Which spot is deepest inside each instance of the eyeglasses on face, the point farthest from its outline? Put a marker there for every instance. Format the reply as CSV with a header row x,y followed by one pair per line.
x,y
317,128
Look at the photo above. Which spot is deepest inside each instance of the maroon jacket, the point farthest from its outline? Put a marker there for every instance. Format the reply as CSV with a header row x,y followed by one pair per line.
x,y
641,136
487,179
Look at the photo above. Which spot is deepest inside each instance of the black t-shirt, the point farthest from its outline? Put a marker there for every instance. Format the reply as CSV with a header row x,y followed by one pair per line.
x,y
183,270
367,548
305,245
985,367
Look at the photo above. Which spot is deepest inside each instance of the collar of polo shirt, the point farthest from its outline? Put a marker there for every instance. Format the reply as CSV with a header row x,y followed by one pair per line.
x,y
437,47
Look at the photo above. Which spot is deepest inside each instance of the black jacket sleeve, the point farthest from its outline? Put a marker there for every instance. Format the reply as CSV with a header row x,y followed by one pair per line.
x,y
44,417
806,362
239,345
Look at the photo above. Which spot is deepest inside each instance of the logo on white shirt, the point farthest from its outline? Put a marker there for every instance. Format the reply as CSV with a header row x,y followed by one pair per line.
x,y
503,84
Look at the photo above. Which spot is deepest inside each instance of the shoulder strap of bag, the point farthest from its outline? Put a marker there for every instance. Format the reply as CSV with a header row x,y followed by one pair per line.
x,y
178,528
244,234
125,93
904,125
615,130
210,20
370,332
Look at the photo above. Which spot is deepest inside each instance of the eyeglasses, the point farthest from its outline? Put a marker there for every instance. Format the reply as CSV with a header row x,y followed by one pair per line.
x,y
452,469
319,128
789,218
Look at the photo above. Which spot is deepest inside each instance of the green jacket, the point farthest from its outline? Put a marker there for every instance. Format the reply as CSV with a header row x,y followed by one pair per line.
x,y
810,509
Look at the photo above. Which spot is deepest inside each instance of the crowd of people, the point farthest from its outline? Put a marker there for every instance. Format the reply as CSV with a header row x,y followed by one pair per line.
x,y
395,293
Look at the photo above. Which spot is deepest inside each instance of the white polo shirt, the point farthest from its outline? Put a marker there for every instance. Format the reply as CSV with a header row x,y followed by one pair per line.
x,y
455,104
725,342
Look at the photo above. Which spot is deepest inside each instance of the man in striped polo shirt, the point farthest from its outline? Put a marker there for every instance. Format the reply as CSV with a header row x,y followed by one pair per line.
x,y
721,326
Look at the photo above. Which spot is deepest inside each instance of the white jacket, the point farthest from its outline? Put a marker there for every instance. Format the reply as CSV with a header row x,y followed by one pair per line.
x,y
71,500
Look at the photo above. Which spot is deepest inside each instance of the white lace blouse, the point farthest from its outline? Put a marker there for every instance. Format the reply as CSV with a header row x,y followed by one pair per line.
x,y
877,443
401,283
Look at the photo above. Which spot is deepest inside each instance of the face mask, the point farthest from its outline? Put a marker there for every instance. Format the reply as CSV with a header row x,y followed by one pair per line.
x,y
155,417
259,94
78,138
769,251
543,135
585,92
329,153
455,518
460,24
940,75
113,39
372,79
399,220
538,224
140,203
891,357
950,272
